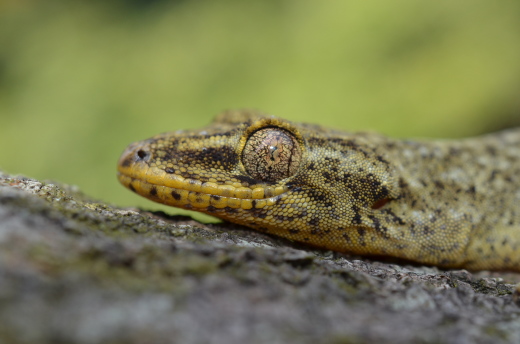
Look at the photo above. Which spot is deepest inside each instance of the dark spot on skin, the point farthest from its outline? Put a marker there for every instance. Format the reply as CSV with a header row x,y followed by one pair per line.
x,y
361,232
347,237
230,210
169,170
394,217
381,159
153,191
247,180
315,231
294,231
377,225
311,166
215,197
314,221
326,175
131,187
317,142
471,190
176,195
331,161
357,217
284,218
211,209
318,196
261,215
127,162
333,214
223,154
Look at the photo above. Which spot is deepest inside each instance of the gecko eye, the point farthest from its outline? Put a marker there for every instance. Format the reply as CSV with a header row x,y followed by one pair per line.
x,y
271,154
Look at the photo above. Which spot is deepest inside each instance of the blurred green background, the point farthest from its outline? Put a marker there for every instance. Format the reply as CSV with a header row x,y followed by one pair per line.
x,y
79,80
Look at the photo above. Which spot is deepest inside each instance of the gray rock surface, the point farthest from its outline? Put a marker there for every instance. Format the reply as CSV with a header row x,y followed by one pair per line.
x,y
73,270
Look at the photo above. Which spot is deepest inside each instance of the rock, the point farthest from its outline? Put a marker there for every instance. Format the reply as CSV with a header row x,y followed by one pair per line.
x,y
74,270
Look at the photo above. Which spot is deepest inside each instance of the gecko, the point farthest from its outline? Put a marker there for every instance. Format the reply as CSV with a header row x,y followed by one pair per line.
x,y
447,203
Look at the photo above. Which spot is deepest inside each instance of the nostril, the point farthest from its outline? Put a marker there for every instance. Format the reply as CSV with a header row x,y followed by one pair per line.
x,y
141,154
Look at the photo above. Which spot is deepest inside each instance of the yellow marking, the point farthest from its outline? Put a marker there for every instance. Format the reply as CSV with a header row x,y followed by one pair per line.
x,y
234,203
271,201
226,191
243,193
269,192
246,204
219,203
257,193
279,190
199,200
194,185
210,188
261,203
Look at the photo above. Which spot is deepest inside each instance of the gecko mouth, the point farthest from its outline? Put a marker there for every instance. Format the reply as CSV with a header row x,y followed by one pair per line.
x,y
193,194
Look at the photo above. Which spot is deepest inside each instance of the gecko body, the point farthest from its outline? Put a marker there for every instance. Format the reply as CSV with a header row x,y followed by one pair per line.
x,y
450,203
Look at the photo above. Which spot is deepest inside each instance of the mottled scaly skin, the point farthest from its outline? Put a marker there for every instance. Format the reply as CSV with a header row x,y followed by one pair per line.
x,y
452,203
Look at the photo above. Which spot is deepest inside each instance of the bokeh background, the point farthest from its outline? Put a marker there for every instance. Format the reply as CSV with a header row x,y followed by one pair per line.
x,y
79,80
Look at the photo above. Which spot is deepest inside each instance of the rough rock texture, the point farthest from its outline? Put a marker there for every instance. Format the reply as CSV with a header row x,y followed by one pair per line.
x,y
73,270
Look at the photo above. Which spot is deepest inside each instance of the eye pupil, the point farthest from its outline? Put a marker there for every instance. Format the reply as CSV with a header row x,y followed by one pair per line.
x,y
271,154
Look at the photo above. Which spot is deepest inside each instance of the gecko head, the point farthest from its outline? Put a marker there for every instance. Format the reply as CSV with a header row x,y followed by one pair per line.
x,y
224,169
260,171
